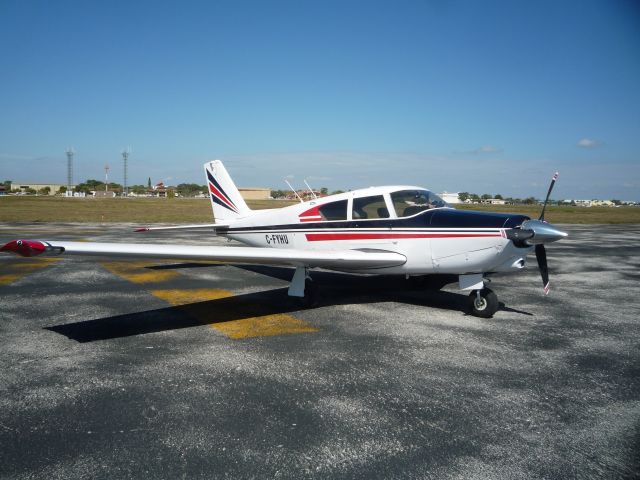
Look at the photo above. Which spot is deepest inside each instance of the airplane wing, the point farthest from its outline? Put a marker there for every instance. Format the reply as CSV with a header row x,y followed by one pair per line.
x,y
338,259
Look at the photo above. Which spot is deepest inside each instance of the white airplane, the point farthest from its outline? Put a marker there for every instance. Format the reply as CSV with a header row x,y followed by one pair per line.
x,y
403,230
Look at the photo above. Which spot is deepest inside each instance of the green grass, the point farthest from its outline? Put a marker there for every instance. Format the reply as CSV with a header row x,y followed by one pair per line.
x,y
192,210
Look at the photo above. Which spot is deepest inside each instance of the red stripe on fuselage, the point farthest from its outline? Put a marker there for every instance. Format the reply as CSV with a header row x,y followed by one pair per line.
x,y
319,237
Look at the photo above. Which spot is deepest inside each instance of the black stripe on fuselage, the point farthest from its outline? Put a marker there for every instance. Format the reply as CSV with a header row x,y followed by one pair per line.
x,y
441,219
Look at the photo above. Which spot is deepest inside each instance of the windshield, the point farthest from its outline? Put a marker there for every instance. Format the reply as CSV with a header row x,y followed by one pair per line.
x,y
410,202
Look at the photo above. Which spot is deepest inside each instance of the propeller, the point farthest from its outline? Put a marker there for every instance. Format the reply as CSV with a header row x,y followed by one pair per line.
x,y
541,252
546,200
541,256
538,232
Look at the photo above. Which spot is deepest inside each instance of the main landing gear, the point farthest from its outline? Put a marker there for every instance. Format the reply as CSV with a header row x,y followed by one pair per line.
x,y
303,291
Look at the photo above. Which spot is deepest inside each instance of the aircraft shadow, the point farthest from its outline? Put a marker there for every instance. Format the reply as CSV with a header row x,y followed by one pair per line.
x,y
334,289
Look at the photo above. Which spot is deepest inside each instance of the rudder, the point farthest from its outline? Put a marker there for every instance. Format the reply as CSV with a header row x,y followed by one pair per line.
x,y
226,201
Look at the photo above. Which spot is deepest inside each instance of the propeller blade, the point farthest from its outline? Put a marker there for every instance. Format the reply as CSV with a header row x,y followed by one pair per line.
x,y
553,182
541,256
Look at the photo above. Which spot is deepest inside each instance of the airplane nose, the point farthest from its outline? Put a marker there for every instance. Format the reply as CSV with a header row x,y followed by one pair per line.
x,y
543,232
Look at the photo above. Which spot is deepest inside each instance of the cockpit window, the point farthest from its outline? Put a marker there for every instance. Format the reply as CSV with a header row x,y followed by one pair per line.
x,y
334,210
369,207
410,202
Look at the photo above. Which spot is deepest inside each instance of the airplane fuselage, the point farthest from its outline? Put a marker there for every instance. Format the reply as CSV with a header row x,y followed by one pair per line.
x,y
436,240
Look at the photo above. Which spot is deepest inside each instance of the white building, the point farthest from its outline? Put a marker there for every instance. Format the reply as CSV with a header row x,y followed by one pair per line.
x,y
450,197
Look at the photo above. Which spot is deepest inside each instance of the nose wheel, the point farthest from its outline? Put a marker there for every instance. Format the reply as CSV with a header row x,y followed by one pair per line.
x,y
483,303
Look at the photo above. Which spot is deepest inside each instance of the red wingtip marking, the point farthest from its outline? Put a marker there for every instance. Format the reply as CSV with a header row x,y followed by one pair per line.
x,y
25,248
142,229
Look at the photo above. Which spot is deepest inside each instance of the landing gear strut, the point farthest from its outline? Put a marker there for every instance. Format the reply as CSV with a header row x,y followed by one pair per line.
x,y
483,303
303,290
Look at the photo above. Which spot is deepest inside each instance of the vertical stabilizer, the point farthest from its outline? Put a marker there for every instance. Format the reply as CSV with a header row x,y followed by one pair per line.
x,y
226,201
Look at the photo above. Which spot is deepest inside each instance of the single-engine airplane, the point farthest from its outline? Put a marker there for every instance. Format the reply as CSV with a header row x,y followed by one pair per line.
x,y
403,230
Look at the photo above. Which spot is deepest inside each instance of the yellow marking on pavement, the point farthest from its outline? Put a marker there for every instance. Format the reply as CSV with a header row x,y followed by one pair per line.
x,y
234,316
17,268
137,273
184,297
7,279
265,326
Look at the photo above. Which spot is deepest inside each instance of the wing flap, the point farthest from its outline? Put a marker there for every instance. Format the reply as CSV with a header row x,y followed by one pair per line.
x,y
340,259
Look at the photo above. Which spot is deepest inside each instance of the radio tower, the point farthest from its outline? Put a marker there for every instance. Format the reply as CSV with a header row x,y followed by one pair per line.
x,y
70,152
125,158
106,177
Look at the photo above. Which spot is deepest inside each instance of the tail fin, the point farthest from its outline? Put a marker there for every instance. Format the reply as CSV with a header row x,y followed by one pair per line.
x,y
226,201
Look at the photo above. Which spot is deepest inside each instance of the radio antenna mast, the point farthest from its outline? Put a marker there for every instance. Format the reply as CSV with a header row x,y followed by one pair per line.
x,y
311,190
125,158
294,192
70,153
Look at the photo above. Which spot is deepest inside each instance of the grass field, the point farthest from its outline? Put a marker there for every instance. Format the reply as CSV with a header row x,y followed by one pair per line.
x,y
192,210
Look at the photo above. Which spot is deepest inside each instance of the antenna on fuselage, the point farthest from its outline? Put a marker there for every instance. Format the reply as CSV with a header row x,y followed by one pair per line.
x,y
294,192
311,190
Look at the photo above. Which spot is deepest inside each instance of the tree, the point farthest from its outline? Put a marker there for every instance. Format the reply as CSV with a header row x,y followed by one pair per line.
x,y
188,189
149,183
475,198
45,190
62,189
498,197
279,193
485,196
138,189
335,192
530,201
464,196
324,191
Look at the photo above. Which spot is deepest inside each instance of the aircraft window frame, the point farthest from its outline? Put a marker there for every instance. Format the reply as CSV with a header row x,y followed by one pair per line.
x,y
373,215
325,218
430,199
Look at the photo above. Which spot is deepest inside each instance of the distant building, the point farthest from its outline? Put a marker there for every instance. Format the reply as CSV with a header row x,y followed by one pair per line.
x,y
450,197
159,190
602,203
255,193
104,194
3,189
53,187
494,201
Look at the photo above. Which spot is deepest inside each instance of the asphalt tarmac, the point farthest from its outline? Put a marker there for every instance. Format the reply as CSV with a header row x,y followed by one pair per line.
x,y
159,369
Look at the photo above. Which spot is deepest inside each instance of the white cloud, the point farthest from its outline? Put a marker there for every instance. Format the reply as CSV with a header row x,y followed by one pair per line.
x,y
589,143
483,149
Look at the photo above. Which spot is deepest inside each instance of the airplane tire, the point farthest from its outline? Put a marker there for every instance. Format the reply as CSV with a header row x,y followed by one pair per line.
x,y
310,298
486,305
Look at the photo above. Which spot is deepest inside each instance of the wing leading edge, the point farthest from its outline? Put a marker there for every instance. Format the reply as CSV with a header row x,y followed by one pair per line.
x,y
336,259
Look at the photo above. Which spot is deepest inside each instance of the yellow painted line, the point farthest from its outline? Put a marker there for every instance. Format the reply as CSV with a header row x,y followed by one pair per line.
x,y
265,326
229,324
136,273
179,297
18,268
9,278
232,317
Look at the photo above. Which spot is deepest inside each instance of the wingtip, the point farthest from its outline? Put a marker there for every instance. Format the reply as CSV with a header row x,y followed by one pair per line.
x,y
141,229
24,248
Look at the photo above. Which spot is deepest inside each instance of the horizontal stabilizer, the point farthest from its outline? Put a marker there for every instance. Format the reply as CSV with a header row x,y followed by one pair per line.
x,y
197,226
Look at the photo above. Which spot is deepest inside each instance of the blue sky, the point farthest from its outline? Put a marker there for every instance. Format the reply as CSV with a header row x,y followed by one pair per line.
x,y
487,97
